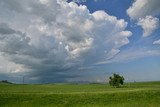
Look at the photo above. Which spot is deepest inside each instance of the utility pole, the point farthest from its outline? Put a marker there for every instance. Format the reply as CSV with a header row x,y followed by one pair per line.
x,y
23,79
23,83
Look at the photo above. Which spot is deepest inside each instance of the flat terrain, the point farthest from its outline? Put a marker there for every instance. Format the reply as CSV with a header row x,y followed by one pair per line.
x,y
144,94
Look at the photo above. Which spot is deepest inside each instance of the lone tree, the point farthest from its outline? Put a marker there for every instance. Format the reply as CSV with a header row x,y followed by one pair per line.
x,y
116,80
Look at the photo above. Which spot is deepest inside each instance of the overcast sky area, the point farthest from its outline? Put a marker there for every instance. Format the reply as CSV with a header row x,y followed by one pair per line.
x,y
46,41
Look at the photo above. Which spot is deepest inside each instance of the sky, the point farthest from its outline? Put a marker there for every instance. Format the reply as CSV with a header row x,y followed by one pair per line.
x,y
59,41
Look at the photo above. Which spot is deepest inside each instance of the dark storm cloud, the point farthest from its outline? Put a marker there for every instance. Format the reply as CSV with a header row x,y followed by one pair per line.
x,y
48,38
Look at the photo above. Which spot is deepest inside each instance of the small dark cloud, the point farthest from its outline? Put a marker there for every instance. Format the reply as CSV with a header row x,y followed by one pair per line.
x,y
5,29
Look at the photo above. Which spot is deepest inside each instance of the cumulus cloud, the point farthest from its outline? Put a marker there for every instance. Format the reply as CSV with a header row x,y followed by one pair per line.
x,y
142,8
149,24
157,42
49,37
145,12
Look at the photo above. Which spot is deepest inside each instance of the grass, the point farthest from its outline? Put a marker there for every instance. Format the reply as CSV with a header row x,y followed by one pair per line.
x,y
144,94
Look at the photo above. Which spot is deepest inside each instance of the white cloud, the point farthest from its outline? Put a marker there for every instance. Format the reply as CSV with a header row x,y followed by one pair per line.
x,y
112,53
131,54
142,8
145,12
51,36
10,67
149,24
44,1
157,42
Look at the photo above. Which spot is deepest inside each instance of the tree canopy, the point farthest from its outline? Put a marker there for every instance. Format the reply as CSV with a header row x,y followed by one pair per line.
x,y
116,80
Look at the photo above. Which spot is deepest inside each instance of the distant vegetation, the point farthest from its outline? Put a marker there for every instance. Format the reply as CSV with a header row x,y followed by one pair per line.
x,y
5,81
116,80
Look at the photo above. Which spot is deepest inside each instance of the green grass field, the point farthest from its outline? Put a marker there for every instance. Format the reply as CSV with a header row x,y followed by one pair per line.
x,y
144,94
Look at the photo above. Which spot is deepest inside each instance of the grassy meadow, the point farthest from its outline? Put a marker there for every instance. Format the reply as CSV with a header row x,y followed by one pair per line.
x,y
142,94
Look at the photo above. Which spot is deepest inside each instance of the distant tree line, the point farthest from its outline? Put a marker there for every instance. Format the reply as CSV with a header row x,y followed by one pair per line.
x,y
6,81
